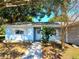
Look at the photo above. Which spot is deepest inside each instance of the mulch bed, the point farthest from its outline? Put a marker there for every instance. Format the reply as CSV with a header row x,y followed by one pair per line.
x,y
12,50
51,51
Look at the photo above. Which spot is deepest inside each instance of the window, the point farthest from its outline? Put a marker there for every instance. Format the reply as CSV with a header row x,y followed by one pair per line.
x,y
19,32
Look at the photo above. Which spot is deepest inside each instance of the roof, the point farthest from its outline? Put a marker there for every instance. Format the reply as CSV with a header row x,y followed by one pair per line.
x,y
74,24
35,24
20,23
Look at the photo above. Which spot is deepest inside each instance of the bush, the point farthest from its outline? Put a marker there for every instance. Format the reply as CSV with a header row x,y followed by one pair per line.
x,y
2,38
46,33
2,29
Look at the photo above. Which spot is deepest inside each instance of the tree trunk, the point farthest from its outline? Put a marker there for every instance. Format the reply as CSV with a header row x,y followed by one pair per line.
x,y
63,28
62,38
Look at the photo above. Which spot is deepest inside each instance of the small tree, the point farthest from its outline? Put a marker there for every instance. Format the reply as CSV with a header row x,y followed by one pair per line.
x,y
46,33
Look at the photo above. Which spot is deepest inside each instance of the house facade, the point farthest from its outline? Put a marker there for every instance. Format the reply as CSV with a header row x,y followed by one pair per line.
x,y
32,32
73,34
29,31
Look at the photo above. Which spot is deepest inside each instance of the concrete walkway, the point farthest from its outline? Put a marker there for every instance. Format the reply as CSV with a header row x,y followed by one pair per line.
x,y
34,51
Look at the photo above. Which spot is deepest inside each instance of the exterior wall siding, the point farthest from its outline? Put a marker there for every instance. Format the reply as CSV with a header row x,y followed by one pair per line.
x,y
73,35
11,35
29,32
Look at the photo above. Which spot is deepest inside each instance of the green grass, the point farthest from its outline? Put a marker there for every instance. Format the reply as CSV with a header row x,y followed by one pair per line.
x,y
76,57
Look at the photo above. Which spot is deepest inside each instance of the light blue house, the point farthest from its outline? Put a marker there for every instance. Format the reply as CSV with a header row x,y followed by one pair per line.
x,y
29,31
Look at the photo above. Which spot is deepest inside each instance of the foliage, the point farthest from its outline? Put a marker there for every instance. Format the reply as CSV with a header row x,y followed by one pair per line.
x,y
59,19
22,12
2,38
47,32
2,30
36,9
28,18
15,14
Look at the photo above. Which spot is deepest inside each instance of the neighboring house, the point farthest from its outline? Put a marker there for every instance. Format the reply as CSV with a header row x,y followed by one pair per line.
x,y
29,31
73,34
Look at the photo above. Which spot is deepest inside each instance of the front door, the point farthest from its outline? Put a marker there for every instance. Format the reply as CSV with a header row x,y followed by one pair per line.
x,y
37,34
